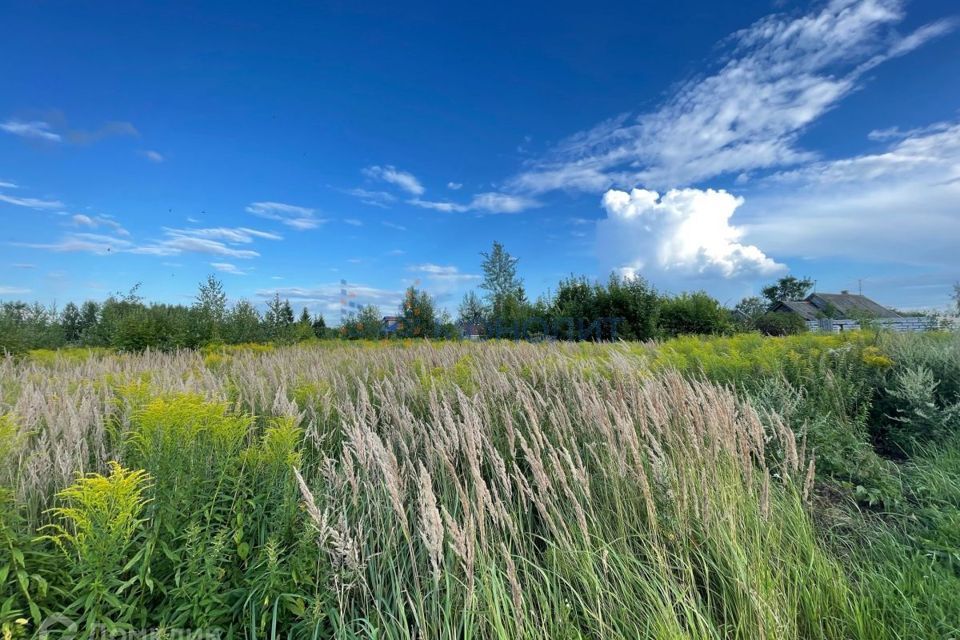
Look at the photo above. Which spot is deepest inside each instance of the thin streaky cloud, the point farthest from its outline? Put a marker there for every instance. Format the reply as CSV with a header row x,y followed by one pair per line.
x,y
7,290
228,267
782,74
490,202
293,216
374,198
31,203
391,175
36,129
231,235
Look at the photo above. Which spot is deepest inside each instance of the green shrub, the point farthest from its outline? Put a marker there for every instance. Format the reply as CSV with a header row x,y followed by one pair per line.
x,y
693,313
919,417
780,324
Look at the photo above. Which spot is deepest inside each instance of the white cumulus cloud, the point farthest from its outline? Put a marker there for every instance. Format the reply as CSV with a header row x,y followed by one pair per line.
x,y
685,233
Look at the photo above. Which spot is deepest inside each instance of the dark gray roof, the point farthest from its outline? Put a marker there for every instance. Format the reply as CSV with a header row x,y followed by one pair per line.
x,y
850,304
801,307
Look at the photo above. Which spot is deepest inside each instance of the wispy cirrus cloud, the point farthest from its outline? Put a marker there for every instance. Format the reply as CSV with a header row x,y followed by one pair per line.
x,y
488,202
110,129
82,220
898,205
293,216
233,235
373,198
228,267
7,290
35,129
391,175
153,156
46,131
328,298
218,241
95,243
780,75
447,273
491,202
31,203
177,242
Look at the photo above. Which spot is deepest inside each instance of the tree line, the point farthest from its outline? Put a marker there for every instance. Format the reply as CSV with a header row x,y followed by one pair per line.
x,y
126,322
579,309
582,309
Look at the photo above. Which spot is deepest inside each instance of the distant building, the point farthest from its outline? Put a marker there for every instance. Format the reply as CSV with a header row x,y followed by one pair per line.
x,y
391,324
471,330
834,305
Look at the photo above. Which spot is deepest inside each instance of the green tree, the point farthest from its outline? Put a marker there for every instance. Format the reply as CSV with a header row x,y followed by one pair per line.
x,y
623,308
956,296
693,313
752,307
89,316
367,324
500,279
279,319
303,329
471,310
633,302
70,319
243,324
787,288
319,326
286,314
211,303
418,318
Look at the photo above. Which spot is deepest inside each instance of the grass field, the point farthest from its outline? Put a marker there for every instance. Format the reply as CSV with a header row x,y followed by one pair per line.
x,y
741,487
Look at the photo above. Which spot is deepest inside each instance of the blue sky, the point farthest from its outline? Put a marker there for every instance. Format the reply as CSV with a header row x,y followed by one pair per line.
x,y
289,147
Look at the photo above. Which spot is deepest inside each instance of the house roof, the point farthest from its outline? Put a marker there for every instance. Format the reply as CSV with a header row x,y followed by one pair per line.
x,y
848,304
801,307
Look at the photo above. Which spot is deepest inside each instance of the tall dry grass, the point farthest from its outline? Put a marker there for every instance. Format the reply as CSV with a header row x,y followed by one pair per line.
x,y
454,491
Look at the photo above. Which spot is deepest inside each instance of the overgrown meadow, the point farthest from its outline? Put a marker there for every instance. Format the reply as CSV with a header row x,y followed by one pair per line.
x,y
741,487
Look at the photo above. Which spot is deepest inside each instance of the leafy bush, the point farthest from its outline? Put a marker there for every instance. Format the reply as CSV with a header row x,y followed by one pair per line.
x,y
780,324
693,313
919,417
